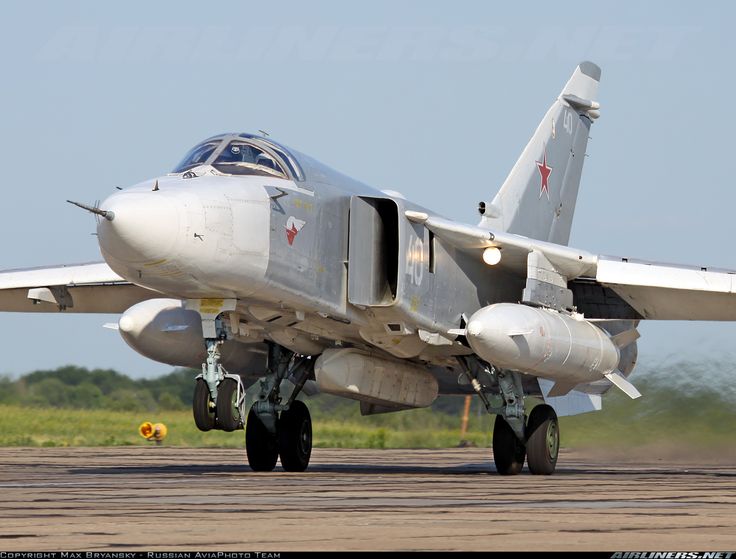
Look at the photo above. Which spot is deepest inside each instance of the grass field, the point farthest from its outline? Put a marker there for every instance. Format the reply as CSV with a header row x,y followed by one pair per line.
x,y
66,427
684,405
668,417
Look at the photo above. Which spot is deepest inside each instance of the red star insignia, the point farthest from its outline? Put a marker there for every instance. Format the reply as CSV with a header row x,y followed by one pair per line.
x,y
545,171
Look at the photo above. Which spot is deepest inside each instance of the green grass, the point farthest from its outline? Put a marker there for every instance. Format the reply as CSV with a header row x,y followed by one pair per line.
x,y
684,404
21,426
623,422
684,413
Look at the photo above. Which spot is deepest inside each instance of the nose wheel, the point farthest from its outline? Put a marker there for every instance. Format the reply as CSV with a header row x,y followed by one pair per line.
x,y
203,408
224,414
230,399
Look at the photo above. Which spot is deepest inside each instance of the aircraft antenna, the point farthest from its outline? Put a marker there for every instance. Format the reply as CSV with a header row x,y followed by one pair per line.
x,y
108,215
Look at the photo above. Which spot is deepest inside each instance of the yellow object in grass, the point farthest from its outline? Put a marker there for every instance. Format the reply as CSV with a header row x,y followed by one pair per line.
x,y
153,431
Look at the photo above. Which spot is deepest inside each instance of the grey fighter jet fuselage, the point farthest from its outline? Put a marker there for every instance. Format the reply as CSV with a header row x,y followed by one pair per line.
x,y
313,257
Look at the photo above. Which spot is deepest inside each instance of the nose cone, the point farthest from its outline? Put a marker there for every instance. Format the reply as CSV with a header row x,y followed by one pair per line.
x,y
144,228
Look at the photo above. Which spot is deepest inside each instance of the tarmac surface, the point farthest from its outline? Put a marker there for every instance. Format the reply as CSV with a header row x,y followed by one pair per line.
x,y
159,498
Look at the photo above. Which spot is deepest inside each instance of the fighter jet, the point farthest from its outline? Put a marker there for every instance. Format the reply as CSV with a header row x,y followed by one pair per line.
x,y
272,272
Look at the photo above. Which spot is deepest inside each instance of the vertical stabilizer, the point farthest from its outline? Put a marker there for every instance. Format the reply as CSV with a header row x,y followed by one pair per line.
x,y
538,197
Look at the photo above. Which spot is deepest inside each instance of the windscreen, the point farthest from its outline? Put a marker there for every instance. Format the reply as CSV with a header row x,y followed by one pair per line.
x,y
243,158
197,155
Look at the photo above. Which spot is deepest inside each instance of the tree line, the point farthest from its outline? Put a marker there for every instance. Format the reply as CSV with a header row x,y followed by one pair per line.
x,y
82,388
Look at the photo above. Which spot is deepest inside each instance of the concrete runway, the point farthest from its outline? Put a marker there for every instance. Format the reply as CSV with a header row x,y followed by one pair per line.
x,y
121,499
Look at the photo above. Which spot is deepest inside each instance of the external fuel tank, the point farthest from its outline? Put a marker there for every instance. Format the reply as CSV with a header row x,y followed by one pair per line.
x,y
544,342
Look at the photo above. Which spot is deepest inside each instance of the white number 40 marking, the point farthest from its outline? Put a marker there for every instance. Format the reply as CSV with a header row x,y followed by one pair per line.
x,y
415,260
567,122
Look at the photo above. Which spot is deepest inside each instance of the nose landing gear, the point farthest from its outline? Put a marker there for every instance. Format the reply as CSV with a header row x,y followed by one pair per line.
x,y
219,397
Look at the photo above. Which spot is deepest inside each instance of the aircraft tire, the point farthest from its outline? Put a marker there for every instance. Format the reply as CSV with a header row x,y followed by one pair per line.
x,y
295,437
543,440
261,446
228,413
204,415
508,450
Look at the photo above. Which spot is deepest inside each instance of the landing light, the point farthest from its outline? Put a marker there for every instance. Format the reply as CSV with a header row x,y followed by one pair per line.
x,y
492,256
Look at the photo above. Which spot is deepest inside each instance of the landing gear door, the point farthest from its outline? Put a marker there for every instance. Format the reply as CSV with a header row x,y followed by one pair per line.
x,y
373,251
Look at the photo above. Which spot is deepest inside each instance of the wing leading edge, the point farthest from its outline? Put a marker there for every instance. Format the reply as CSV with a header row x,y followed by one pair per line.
x,y
79,288
625,288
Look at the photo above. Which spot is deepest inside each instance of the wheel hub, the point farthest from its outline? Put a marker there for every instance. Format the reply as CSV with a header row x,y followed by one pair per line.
x,y
553,440
305,438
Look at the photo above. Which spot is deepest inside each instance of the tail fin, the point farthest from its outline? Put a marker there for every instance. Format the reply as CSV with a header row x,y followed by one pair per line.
x,y
538,197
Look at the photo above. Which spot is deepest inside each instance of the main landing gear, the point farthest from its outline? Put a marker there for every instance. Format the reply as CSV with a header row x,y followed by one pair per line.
x,y
540,445
277,425
292,440
516,438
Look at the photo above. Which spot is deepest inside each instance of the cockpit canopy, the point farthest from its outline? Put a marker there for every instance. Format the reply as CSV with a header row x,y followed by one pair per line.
x,y
242,154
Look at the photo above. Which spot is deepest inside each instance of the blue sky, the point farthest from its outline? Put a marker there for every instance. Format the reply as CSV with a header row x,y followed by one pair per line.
x,y
432,99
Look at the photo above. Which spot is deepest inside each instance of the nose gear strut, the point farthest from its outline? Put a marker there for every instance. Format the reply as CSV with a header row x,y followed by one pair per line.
x,y
212,371
219,397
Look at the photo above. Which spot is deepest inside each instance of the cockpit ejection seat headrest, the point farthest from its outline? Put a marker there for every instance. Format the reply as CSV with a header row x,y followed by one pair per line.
x,y
266,160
